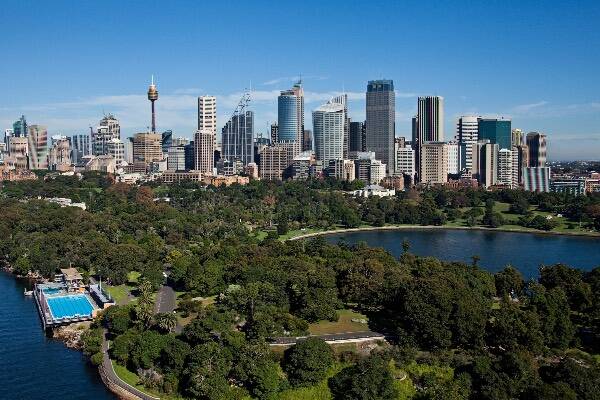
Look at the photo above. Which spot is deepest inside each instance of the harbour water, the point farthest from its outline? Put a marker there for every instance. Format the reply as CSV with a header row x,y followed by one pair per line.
x,y
33,366
524,251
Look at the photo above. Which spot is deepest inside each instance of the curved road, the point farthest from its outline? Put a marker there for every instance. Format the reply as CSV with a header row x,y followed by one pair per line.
x,y
113,378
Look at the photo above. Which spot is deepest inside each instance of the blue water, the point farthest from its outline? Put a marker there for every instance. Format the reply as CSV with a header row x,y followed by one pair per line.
x,y
525,251
32,366
70,306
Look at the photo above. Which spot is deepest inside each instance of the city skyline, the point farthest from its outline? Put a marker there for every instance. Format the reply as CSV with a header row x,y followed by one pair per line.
x,y
516,70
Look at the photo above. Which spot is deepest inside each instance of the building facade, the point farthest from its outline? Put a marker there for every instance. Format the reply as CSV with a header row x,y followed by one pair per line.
x,y
381,117
357,139
505,168
37,138
290,116
467,135
536,142
434,163
536,179
81,147
204,146
147,149
237,138
497,131
108,128
328,127
207,113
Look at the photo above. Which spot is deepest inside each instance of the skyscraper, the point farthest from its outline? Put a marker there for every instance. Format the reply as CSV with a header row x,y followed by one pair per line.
x,y
428,126
537,149
430,119
20,127
80,147
343,101
204,148
116,149
274,132
485,162
237,138
434,162
505,168
381,117
37,138
328,127
290,116
59,155
207,113
108,129
496,131
357,136
146,150
467,136
167,140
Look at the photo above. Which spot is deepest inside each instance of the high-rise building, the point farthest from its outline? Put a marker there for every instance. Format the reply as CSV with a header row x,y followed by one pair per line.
x,y
517,137
59,155
307,140
238,138
496,131
520,162
343,170
453,158
434,162
405,161
207,113
38,146
328,127
108,129
536,179
20,127
18,150
147,149
273,162
357,136
536,142
190,155
116,149
505,168
430,119
153,96
343,101
290,116
81,147
381,117
467,136
485,162
274,133
204,143
176,158
167,140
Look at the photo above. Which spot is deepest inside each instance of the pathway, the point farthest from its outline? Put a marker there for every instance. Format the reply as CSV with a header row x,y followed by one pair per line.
x,y
346,337
165,300
114,378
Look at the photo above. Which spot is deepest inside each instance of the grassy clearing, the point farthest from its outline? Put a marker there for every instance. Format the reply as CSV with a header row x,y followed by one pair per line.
x,y
121,293
132,379
343,324
316,392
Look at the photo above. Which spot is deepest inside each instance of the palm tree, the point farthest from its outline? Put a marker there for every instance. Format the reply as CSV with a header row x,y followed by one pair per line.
x,y
166,321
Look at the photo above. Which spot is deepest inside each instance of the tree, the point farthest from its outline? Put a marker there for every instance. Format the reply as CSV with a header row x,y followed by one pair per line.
x,y
307,362
369,379
508,281
166,322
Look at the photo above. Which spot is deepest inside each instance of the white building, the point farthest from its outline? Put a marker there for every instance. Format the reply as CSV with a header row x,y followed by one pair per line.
x,y
377,172
453,158
505,168
108,128
405,161
116,148
207,113
176,158
328,132
374,190
343,170
485,162
204,151
467,134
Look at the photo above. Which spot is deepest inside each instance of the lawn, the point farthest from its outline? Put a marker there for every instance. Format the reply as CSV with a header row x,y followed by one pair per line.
x,y
343,324
121,292
132,379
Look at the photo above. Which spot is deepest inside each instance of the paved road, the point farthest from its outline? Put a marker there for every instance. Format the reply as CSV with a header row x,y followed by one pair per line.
x,y
332,338
165,300
112,376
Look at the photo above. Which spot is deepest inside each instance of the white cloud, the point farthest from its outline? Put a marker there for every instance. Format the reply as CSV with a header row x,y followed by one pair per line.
x,y
524,108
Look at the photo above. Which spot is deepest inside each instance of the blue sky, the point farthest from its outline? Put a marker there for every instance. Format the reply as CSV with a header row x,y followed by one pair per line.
x,y
64,63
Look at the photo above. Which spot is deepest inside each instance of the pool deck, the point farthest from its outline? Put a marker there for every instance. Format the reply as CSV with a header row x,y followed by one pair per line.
x,y
49,322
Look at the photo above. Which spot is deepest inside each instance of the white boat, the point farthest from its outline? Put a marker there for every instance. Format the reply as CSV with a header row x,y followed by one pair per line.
x,y
28,292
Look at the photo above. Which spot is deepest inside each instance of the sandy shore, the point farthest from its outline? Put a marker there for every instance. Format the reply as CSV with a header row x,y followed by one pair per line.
x,y
442,227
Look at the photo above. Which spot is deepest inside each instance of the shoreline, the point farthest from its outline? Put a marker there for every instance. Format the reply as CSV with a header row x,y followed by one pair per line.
x,y
443,227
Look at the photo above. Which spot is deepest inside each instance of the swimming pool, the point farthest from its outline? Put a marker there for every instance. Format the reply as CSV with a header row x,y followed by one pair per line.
x,y
70,306
52,290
